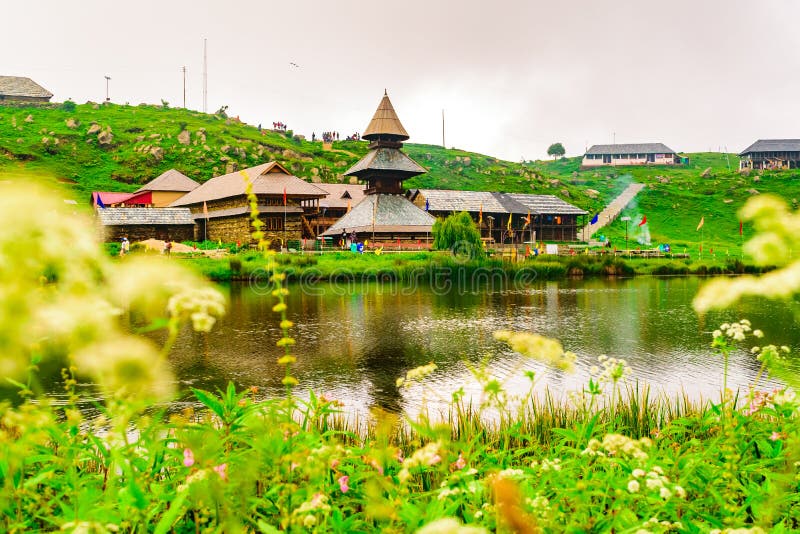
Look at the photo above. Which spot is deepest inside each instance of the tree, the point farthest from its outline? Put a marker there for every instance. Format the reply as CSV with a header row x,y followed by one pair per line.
x,y
556,150
459,234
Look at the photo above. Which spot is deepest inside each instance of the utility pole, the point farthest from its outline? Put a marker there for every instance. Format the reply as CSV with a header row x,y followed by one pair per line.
x,y
443,129
108,79
205,75
184,86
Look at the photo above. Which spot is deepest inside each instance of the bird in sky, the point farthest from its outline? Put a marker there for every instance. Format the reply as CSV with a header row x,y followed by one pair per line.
x,y
295,65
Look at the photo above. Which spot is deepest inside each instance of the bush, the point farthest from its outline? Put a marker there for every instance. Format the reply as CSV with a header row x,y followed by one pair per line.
x,y
458,234
68,106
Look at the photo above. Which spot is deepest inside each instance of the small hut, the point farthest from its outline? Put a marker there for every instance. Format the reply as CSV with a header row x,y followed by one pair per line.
x,y
21,89
168,187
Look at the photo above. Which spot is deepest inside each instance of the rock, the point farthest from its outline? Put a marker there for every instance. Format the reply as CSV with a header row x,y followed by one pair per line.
x,y
554,182
753,191
29,118
71,124
745,172
45,140
93,129
201,135
14,122
592,193
225,149
564,193
756,179
230,167
727,200
155,136
290,154
663,179
340,164
157,153
105,137
207,148
316,180
354,180
240,152
467,161
139,138
706,173
314,171
184,137
19,140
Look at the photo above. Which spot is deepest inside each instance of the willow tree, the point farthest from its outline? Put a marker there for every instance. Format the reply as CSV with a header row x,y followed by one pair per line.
x,y
459,234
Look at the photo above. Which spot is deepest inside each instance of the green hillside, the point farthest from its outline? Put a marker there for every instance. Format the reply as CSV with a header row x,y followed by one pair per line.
x,y
676,199
130,145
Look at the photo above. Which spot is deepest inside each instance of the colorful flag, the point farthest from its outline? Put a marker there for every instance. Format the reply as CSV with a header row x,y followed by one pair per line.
x,y
644,220
100,202
527,220
205,210
284,196
740,228
480,215
508,226
595,218
701,223
427,205
348,206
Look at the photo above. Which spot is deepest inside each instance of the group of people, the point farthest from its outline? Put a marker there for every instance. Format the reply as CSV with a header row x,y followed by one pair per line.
x,y
328,137
279,126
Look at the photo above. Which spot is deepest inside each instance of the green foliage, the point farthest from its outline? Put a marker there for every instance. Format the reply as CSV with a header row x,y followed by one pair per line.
x,y
68,106
459,234
556,150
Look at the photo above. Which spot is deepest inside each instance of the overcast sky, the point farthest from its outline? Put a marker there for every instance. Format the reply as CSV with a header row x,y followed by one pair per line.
x,y
511,76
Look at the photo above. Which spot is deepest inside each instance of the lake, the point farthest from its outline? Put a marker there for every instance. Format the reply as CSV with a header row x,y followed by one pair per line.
x,y
355,340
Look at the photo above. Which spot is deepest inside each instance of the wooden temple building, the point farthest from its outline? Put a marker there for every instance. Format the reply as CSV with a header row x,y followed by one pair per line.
x,y
551,218
384,214
168,187
221,210
340,200
771,154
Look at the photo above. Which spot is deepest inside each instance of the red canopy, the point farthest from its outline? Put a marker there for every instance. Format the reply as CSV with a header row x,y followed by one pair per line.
x,y
113,198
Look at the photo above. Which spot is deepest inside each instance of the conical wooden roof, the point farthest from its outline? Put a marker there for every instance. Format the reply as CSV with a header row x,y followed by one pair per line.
x,y
385,124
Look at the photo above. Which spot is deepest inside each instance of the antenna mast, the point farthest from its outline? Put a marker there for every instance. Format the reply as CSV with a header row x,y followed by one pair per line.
x,y
205,75
184,86
443,146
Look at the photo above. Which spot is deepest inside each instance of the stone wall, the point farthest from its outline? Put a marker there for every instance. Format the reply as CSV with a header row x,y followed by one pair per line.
x,y
183,232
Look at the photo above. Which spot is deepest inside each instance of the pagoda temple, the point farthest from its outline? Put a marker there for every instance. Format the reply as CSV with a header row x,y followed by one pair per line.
x,y
384,214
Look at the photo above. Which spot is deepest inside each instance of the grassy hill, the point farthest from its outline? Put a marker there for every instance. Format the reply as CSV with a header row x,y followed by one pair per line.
x,y
130,145
676,199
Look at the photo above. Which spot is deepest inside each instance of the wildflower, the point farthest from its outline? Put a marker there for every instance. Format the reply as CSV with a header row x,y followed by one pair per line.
x,y
343,480
449,525
758,333
461,463
546,350
664,493
638,473
633,486
309,521
775,436
416,374
551,465
334,463
511,473
679,491
188,457
222,471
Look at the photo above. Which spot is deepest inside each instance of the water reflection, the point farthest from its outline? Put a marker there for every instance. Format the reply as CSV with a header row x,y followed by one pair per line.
x,y
353,343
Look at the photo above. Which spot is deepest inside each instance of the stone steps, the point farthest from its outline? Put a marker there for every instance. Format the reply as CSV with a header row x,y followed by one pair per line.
x,y
611,212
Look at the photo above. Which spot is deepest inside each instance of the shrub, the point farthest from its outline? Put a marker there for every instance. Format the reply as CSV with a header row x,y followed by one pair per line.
x,y
458,234
68,106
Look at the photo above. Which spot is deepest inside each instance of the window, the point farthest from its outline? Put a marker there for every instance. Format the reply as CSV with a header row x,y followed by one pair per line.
x,y
273,223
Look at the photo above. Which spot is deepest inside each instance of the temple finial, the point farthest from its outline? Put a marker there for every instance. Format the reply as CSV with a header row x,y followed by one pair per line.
x,y
385,93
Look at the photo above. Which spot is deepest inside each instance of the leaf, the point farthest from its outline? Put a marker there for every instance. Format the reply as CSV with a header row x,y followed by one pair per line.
x,y
210,401
175,510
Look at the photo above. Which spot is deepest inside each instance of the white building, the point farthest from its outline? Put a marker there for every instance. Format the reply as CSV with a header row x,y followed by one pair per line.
x,y
635,154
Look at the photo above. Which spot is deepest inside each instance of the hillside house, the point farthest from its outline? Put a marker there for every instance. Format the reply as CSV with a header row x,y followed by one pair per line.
x,y
20,89
286,204
631,154
551,219
771,154
168,187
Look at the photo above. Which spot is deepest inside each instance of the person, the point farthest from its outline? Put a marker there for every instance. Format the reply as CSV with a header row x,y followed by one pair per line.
x,y
313,136
344,238
167,247
124,246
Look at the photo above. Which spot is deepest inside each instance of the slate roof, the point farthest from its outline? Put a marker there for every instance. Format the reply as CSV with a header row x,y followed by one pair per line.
x,y
392,213
385,123
642,148
773,145
473,201
268,179
145,216
386,159
20,86
340,194
171,180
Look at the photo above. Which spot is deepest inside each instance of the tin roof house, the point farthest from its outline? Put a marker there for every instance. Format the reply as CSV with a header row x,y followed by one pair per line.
x,y
21,89
771,154
630,154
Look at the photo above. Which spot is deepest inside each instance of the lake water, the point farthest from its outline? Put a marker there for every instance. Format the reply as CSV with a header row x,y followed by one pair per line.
x,y
354,341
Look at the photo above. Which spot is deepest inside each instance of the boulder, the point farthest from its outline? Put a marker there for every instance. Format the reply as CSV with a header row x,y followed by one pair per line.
x,y
314,171
663,179
93,129
29,118
706,173
155,136
201,135
592,193
157,153
225,149
554,182
139,138
727,200
14,122
745,172
71,124
45,140
96,106
467,161
207,148
105,137
290,154
564,193
756,179
316,180
354,180
184,137
240,152
230,167
753,191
